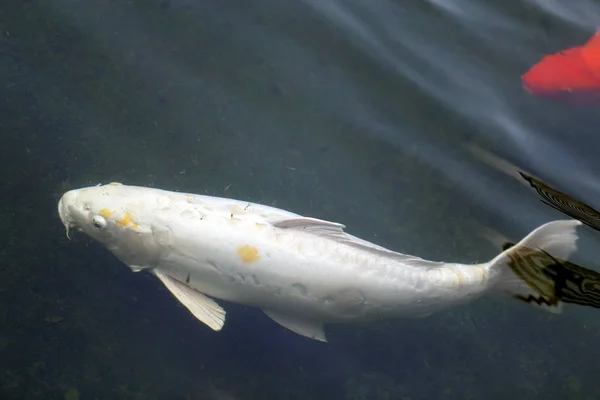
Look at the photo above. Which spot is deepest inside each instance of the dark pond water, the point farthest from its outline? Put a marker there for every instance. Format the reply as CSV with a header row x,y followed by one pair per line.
x,y
404,120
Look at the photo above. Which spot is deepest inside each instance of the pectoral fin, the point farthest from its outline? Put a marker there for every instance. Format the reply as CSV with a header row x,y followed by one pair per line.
x,y
309,328
201,306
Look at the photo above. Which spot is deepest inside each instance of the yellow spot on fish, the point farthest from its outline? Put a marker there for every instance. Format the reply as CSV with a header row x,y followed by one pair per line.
x,y
126,221
189,198
115,184
248,254
105,213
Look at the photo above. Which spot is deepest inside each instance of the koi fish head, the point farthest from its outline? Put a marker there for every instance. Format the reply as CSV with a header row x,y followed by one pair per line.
x,y
117,216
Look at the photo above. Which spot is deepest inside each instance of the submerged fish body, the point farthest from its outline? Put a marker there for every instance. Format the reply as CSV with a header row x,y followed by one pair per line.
x,y
571,76
302,272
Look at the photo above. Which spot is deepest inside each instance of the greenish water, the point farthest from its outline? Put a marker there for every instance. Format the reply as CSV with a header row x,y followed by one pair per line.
x,y
404,120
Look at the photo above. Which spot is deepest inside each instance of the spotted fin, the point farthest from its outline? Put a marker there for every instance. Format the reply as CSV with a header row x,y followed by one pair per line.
x,y
564,203
201,306
310,329
534,270
575,284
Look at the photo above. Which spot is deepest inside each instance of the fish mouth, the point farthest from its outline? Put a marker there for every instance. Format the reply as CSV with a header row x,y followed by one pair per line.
x,y
63,213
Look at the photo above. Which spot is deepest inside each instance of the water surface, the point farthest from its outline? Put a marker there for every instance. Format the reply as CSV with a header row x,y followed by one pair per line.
x,y
404,120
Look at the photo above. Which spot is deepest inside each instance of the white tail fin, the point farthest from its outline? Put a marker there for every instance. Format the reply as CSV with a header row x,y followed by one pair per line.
x,y
535,271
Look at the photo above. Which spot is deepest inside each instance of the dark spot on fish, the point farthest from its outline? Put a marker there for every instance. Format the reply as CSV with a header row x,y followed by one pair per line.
x,y
507,246
187,278
350,301
300,288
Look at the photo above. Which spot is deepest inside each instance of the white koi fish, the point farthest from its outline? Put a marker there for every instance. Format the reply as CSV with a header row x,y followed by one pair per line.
x,y
302,272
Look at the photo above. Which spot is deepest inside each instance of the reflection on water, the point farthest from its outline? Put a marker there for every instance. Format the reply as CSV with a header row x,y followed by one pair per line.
x,y
406,121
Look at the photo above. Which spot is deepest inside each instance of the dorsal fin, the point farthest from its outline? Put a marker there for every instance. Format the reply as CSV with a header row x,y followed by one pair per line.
x,y
335,231
306,223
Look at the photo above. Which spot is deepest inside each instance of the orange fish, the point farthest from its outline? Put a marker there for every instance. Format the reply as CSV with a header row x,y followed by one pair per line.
x,y
572,75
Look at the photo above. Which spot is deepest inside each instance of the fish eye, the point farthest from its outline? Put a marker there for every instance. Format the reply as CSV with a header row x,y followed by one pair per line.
x,y
99,222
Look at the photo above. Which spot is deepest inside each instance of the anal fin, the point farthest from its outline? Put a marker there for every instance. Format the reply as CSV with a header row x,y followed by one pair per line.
x,y
309,328
202,307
